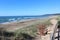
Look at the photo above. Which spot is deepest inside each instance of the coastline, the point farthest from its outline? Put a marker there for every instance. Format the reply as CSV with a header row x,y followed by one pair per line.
x,y
23,20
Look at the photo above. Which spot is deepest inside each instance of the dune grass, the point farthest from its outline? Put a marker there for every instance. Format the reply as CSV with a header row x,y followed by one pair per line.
x,y
31,30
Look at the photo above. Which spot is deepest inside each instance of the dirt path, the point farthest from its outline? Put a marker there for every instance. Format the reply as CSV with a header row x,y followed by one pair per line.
x,y
50,30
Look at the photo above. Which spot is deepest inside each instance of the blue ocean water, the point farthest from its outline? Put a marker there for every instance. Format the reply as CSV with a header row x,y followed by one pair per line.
x,y
14,18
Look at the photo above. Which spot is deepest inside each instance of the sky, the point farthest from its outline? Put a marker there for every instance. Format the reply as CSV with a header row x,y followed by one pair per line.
x,y
28,7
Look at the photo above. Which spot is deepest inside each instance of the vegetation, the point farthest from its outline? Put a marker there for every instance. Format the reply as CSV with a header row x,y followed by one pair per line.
x,y
46,22
30,30
58,18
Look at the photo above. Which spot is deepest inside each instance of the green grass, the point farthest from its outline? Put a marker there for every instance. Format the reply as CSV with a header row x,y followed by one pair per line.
x,y
32,29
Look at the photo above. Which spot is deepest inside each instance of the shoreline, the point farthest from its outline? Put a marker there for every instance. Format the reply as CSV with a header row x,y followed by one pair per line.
x,y
23,20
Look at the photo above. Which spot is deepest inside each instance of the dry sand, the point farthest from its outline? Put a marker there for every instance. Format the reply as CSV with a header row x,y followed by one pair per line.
x,y
17,25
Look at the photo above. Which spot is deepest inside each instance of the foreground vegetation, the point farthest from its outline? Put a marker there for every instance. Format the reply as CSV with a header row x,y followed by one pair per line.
x,y
31,30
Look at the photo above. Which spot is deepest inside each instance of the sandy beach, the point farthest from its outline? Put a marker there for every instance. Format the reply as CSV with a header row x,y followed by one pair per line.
x,y
12,26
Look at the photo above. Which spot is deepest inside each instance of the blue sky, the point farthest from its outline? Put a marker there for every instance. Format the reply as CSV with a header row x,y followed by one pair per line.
x,y
28,7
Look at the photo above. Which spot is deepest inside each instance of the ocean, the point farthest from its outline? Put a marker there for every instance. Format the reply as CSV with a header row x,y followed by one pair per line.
x,y
4,19
14,18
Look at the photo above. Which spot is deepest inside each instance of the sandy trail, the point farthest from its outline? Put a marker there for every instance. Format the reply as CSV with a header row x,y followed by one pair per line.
x,y
50,30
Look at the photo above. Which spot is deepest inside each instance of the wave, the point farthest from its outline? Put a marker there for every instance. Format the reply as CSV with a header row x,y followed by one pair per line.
x,y
4,19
